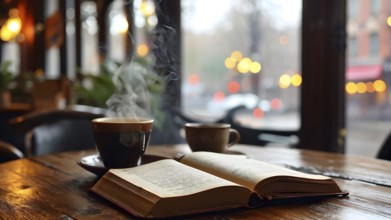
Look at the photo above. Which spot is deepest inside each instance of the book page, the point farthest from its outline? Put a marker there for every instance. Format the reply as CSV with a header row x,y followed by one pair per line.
x,y
246,172
169,178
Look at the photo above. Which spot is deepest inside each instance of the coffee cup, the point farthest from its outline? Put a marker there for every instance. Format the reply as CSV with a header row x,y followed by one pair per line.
x,y
214,137
121,141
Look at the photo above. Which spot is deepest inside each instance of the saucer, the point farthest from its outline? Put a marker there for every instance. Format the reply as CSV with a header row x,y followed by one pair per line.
x,y
94,164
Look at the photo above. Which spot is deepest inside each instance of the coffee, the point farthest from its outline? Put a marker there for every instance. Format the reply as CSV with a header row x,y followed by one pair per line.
x,y
121,142
214,137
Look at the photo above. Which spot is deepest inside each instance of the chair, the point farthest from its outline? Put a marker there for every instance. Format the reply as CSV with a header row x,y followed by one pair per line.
x,y
50,94
385,150
8,152
260,137
56,130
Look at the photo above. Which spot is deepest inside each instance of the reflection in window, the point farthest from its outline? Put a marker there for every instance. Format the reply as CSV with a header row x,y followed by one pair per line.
x,y
242,53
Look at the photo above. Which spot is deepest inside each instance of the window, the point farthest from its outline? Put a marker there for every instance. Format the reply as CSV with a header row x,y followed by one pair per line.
x,y
242,53
353,9
89,37
375,7
374,44
353,47
367,86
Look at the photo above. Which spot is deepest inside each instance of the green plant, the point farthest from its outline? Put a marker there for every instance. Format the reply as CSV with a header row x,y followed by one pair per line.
x,y
94,90
6,76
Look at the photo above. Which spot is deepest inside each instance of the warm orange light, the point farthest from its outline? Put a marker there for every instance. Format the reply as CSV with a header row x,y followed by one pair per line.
x,y
351,88
361,87
11,27
147,8
370,87
236,55
258,113
255,67
296,80
230,63
380,85
219,96
285,81
233,87
142,50
194,79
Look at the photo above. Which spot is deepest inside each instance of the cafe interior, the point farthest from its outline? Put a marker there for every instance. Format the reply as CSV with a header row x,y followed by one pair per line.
x,y
305,83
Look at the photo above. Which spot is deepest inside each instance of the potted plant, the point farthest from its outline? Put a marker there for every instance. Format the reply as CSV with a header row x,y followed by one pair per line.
x,y
6,78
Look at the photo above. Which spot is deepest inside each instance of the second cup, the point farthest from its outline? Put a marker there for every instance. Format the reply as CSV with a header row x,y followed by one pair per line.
x,y
213,137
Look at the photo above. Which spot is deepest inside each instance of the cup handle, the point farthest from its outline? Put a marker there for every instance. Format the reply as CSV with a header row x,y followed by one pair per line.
x,y
235,137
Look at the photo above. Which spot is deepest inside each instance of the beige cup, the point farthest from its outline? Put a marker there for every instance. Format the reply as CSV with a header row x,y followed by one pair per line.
x,y
212,137
121,141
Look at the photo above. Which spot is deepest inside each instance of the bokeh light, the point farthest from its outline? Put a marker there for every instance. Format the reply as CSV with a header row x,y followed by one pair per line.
x,y
351,88
194,79
361,87
118,24
12,27
147,8
233,87
230,63
244,65
258,113
219,96
296,80
370,87
389,21
285,81
236,55
142,50
276,104
379,85
284,40
255,67
265,105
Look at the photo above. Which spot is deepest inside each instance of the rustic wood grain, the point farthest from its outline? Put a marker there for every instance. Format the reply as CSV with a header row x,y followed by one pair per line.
x,y
55,187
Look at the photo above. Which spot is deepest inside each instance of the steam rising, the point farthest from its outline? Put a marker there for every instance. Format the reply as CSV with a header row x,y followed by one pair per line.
x,y
132,99
143,84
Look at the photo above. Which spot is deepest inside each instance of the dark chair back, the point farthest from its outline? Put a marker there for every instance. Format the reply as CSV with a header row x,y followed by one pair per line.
x,y
8,152
385,150
56,130
258,136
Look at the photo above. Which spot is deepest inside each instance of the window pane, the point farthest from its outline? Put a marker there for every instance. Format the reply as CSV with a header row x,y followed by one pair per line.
x,y
374,44
375,7
242,52
353,47
353,9
368,78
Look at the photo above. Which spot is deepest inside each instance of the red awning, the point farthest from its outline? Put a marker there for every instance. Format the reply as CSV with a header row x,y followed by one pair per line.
x,y
368,72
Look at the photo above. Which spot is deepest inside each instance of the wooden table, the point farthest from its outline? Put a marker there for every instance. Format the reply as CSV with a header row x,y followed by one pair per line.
x,y
55,187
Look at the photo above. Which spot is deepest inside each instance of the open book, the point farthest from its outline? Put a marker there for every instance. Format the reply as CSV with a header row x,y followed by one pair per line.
x,y
204,181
